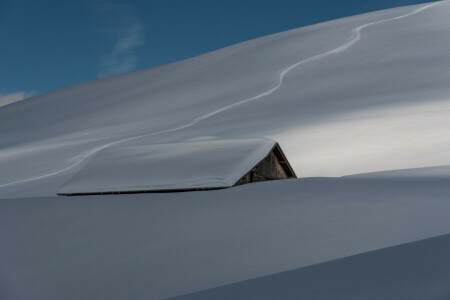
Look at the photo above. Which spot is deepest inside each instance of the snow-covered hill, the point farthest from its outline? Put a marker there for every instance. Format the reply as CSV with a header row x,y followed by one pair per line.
x,y
413,271
360,94
154,246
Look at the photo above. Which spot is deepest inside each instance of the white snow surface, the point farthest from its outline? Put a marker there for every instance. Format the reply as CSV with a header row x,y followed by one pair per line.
x,y
154,246
200,164
361,94
424,173
424,267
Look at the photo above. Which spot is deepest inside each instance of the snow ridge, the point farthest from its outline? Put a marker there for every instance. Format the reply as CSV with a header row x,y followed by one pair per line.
x,y
355,38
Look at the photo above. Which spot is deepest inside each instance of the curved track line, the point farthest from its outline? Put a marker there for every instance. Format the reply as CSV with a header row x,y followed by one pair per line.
x,y
356,36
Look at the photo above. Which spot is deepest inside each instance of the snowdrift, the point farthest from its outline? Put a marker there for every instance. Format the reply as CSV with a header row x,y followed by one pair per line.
x,y
413,271
361,94
155,246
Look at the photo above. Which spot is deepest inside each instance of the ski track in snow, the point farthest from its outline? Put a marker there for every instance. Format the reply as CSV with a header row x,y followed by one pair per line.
x,y
356,36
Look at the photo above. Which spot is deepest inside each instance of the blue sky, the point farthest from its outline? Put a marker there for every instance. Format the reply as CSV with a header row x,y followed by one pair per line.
x,y
49,44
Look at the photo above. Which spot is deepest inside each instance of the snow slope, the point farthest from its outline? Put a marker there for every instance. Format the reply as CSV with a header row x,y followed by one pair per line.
x,y
363,94
424,173
360,94
154,246
414,271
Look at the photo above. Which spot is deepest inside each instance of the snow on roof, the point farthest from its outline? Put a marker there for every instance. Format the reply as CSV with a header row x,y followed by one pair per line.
x,y
188,165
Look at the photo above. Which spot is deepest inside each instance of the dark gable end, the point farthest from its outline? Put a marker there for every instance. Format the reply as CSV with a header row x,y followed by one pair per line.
x,y
274,166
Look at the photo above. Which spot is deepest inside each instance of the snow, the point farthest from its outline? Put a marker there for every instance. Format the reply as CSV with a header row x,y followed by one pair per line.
x,y
323,92
359,95
413,271
424,173
154,246
178,166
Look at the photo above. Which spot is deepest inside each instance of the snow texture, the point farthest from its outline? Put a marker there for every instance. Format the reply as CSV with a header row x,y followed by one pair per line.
x,y
356,95
201,164
363,94
414,271
154,246
430,172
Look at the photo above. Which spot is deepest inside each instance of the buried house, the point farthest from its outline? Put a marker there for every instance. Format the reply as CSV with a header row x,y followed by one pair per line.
x,y
187,166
